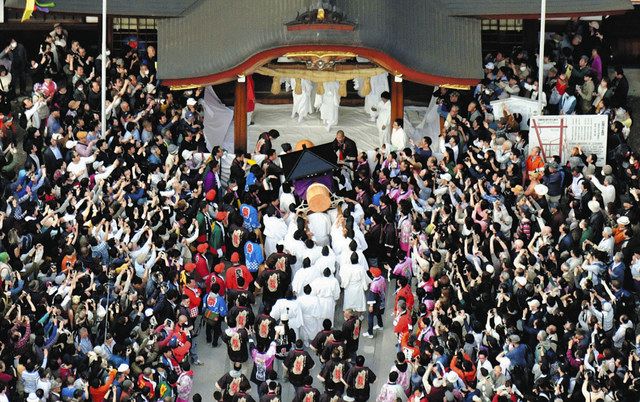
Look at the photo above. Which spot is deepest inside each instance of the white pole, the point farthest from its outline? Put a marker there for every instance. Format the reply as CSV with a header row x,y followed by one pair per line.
x,y
543,20
103,72
103,124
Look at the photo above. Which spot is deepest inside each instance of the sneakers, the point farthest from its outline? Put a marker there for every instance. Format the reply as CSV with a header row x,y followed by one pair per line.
x,y
198,363
377,328
367,335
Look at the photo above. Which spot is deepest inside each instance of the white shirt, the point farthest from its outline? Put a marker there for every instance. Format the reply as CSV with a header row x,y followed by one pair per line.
x,y
79,169
575,186
398,138
608,191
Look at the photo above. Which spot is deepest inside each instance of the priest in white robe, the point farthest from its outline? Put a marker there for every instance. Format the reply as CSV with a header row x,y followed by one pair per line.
x,y
399,138
329,104
311,315
304,276
275,229
302,105
311,251
355,282
296,247
291,308
327,289
320,227
347,253
383,118
286,196
379,84
326,260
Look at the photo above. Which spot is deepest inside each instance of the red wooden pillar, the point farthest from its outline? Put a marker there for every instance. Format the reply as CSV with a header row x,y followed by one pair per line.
x,y
397,99
240,116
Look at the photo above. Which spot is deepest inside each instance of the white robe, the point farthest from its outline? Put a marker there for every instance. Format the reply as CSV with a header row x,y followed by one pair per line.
x,y
296,248
360,239
320,227
286,199
355,282
295,314
328,291
302,103
274,232
312,253
328,261
329,103
431,125
383,119
398,139
311,316
379,84
303,277
345,259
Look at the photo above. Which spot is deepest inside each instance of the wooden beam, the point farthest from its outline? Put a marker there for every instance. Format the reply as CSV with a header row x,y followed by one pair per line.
x,y
397,101
337,67
240,117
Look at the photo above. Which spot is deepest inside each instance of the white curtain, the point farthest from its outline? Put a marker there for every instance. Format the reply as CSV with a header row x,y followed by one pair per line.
x,y
218,121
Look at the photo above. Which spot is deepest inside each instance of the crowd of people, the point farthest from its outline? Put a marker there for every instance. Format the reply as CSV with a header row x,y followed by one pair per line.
x,y
505,277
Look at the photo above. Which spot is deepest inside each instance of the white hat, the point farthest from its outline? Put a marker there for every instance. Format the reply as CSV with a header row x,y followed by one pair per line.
x,y
623,220
70,144
594,205
123,367
489,66
541,189
452,376
534,303
437,382
490,269
148,312
446,177
57,136
191,102
97,164
521,280
186,154
33,397
594,24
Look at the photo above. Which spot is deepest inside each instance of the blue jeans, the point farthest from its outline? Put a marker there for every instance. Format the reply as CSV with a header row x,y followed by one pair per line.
x,y
377,313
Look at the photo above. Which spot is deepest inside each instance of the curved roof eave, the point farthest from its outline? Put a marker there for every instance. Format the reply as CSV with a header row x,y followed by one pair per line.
x,y
382,59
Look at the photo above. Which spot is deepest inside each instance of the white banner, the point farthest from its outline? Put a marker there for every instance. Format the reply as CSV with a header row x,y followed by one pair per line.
x,y
218,121
516,104
557,135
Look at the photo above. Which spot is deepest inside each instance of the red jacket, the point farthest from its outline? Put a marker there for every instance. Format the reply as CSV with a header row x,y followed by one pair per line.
x,y
97,394
232,274
202,266
194,296
215,278
407,294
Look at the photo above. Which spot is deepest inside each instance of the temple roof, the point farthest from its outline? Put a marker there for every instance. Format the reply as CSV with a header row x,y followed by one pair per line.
x,y
427,41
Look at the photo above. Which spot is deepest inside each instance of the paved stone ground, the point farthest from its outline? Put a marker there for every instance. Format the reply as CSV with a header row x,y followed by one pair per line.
x,y
379,353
